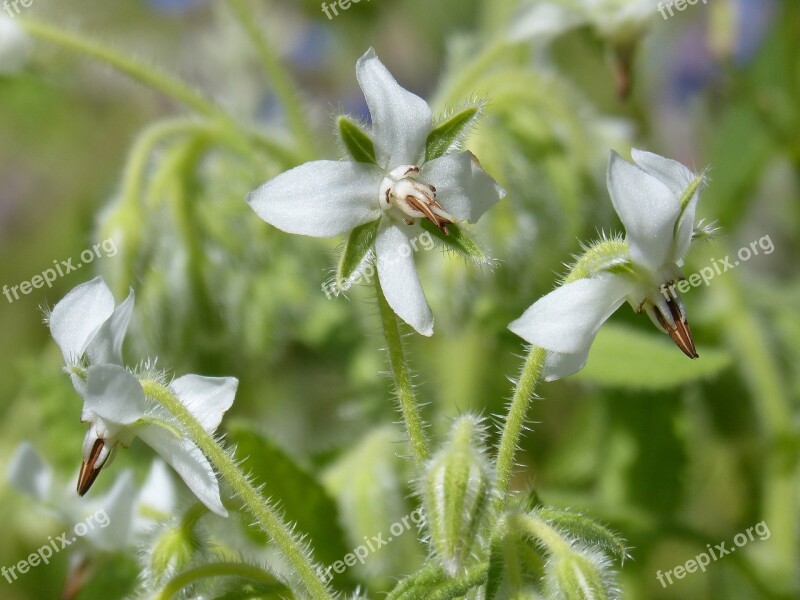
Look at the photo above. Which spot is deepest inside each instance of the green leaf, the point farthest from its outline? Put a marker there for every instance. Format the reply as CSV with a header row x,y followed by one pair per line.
x,y
457,240
450,132
585,529
496,571
627,358
358,144
302,499
355,253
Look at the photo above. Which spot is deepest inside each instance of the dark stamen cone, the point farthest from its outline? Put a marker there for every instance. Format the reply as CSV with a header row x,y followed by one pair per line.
x,y
89,469
681,334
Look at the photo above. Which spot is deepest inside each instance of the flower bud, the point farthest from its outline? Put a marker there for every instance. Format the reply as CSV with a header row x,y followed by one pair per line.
x,y
457,486
580,575
15,46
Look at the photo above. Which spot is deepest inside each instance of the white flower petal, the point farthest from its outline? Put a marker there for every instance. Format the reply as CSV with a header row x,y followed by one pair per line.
x,y
113,395
15,46
106,345
401,121
78,315
399,279
561,364
543,21
189,462
647,208
463,188
115,509
322,198
670,172
29,474
567,319
207,398
678,178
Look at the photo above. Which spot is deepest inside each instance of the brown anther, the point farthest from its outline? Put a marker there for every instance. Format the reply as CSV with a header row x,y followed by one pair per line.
x,y
89,469
426,209
681,334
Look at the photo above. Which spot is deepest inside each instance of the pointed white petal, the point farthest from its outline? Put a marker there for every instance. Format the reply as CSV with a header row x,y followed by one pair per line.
x,y
78,315
463,188
106,345
207,398
322,199
671,173
561,364
567,319
113,395
189,462
647,208
401,121
28,473
399,279
111,523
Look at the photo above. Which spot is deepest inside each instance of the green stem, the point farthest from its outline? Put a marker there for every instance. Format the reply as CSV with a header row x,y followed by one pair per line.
x,y
267,518
541,531
402,379
457,588
221,569
158,80
515,422
147,75
282,83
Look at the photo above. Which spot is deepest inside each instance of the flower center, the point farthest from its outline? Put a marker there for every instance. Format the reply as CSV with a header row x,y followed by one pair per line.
x,y
414,198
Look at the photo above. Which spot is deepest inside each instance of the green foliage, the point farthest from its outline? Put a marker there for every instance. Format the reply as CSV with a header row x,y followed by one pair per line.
x,y
628,358
450,133
359,145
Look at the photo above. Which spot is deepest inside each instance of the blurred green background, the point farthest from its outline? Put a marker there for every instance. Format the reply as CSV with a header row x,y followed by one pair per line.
x,y
674,454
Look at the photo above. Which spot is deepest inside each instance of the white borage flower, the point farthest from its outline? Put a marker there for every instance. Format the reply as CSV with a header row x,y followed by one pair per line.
x,y
656,199
90,331
330,198
618,20
118,411
116,520
15,46
88,327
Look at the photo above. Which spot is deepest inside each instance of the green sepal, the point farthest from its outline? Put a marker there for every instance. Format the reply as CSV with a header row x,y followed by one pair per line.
x,y
457,240
358,144
447,134
585,529
355,253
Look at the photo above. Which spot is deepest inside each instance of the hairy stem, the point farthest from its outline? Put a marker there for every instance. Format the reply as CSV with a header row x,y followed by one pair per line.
x,y
221,569
281,81
155,79
267,518
402,379
515,422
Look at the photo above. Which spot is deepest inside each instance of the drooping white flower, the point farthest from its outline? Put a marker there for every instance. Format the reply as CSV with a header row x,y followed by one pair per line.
x,y
330,198
15,46
127,512
90,331
656,199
